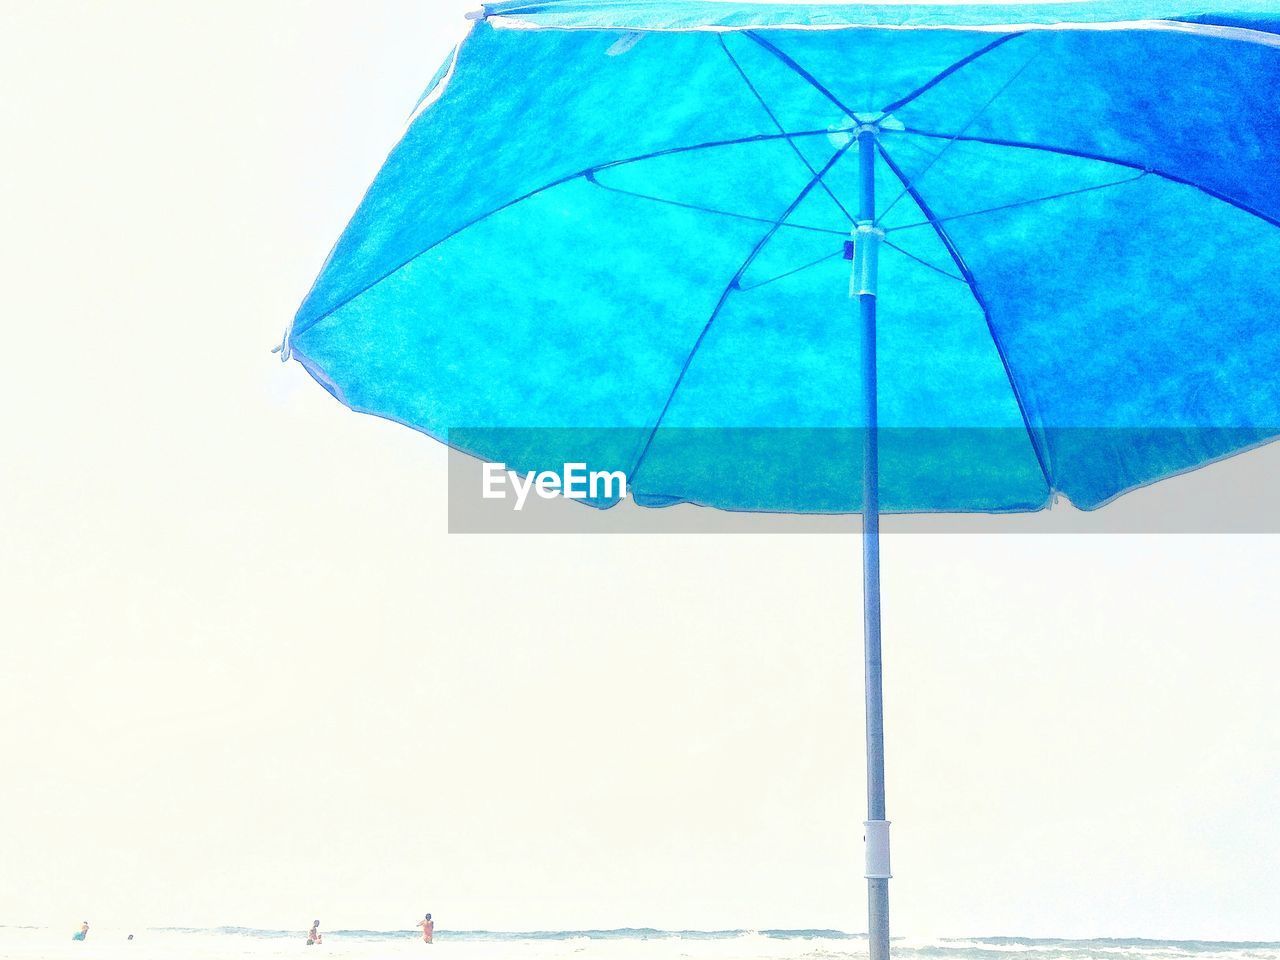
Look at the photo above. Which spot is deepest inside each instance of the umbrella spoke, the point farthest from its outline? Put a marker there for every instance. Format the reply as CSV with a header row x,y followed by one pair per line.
x,y
969,278
907,185
591,178
724,297
1086,155
923,262
772,116
1018,203
795,270
708,145
559,181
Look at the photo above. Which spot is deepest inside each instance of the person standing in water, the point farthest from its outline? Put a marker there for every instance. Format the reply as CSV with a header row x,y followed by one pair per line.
x,y
428,928
313,935
82,932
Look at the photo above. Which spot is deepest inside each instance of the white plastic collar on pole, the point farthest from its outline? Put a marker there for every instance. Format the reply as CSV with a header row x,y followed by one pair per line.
x,y
866,258
877,844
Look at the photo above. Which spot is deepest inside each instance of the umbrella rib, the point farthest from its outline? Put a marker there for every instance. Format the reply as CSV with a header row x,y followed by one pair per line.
x,y
969,278
777,123
559,181
732,285
799,70
1101,158
591,178
938,78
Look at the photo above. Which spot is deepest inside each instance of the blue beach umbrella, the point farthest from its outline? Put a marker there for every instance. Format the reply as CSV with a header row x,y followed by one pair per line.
x,y
828,258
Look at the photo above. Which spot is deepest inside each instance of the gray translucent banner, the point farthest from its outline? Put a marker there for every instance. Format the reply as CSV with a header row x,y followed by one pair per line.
x,y
515,480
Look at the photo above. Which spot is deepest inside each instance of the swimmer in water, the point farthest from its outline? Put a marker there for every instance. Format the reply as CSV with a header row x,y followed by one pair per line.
x,y
428,928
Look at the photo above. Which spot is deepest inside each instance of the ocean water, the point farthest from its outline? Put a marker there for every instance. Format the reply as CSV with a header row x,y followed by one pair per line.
x,y
239,943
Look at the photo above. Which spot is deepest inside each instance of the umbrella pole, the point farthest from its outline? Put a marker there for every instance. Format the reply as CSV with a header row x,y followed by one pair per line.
x,y
863,288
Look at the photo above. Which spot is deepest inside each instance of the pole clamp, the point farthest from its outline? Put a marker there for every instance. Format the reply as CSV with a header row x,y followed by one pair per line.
x,y
863,249
877,847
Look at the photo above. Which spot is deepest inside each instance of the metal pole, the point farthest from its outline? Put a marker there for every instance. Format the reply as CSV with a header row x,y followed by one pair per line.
x,y
866,242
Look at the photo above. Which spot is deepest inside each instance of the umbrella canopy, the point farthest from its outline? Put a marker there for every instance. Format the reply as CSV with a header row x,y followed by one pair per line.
x,y
632,215
627,234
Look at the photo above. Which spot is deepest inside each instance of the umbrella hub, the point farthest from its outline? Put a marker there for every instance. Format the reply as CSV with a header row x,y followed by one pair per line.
x,y
862,124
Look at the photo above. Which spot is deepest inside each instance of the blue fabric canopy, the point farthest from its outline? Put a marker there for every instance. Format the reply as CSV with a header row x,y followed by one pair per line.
x,y
629,219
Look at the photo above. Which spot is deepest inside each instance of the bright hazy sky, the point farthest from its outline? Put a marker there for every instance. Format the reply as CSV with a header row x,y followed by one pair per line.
x,y
247,677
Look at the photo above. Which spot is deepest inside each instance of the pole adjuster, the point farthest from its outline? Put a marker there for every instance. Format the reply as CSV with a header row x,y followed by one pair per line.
x,y
863,249
877,848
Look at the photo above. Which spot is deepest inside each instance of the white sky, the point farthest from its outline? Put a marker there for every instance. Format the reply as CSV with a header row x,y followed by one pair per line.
x,y
246,676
